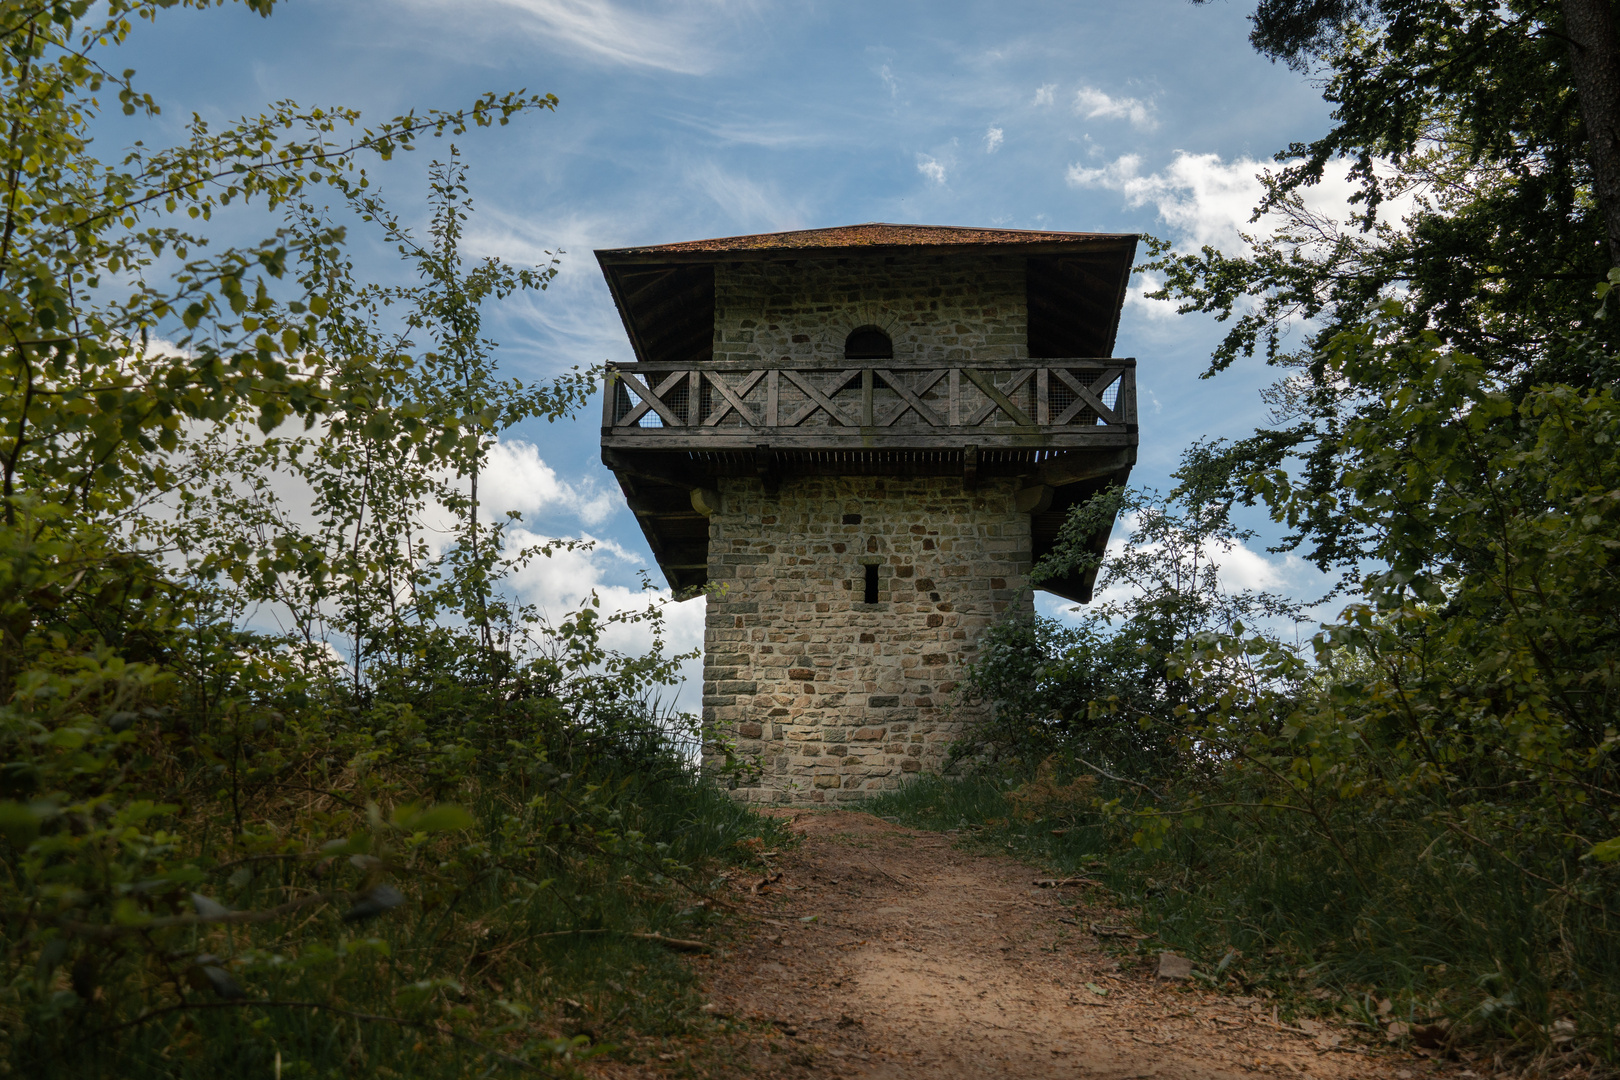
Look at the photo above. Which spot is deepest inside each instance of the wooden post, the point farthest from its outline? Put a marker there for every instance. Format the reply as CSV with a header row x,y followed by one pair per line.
x,y
610,398
765,468
1127,397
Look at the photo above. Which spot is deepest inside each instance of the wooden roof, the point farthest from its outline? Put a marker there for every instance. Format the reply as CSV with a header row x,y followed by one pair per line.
x,y
873,234
1075,281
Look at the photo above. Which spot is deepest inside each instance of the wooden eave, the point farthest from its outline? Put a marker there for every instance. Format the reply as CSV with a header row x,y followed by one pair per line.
x,y
1076,281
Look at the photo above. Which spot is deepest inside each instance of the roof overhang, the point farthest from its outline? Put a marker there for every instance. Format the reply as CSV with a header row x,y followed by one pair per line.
x,y
1075,281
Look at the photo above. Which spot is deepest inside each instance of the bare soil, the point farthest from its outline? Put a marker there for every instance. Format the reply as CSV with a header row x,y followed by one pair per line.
x,y
887,952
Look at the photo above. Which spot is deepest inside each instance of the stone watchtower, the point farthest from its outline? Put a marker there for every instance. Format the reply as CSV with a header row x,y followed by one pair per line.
x,y
856,440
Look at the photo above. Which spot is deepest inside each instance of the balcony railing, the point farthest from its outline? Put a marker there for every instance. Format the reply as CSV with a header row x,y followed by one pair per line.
x,y
1057,403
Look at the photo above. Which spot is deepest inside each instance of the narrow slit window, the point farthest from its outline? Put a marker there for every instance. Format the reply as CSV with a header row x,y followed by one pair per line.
x,y
871,584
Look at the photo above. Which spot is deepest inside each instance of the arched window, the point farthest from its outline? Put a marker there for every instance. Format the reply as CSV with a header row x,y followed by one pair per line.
x,y
868,343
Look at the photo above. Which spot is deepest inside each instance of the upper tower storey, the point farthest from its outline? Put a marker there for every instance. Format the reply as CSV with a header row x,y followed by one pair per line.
x,y
874,349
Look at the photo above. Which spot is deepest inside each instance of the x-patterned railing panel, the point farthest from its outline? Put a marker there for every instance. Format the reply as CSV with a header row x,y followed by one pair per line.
x,y
877,398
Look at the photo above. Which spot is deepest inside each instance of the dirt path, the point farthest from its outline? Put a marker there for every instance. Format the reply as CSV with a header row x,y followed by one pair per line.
x,y
885,953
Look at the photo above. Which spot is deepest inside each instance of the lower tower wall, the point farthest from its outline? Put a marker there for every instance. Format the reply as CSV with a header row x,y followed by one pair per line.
x,y
826,697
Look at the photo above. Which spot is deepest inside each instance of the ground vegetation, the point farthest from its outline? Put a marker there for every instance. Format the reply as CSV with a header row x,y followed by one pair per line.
x,y
417,830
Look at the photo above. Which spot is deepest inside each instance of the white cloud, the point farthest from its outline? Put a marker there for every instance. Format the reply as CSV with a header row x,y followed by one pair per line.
x,y
1137,299
671,35
1208,201
574,320
1046,95
1205,200
1238,567
560,583
515,478
1095,104
887,75
749,203
993,140
931,168
774,133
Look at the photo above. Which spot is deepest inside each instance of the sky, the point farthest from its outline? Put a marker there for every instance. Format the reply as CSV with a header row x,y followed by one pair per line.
x,y
683,119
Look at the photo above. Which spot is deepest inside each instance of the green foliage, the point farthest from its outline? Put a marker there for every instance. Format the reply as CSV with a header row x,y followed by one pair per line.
x,y
1424,802
1466,112
417,833
1108,688
1465,115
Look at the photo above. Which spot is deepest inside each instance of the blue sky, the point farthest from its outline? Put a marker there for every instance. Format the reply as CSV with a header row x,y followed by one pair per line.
x,y
696,118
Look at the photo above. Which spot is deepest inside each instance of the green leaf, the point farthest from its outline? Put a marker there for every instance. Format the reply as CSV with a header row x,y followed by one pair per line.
x,y
445,817
19,823
1607,851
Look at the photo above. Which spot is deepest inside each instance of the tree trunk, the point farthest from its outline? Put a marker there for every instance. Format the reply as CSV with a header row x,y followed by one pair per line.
x,y
1594,54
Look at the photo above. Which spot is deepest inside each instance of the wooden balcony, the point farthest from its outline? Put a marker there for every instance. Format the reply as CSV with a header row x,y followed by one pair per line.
x,y
854,406
1063,428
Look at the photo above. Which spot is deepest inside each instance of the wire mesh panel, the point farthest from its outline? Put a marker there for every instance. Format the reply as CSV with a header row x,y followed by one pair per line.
x,y
678,398
1110,394
1061,397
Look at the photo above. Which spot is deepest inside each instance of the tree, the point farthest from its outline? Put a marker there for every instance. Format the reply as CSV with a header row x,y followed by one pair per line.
x,y
202,826
1108,689
1299,30
1468,112
92,394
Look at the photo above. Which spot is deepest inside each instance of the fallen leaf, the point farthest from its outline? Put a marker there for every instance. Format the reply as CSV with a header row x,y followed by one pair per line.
x,y
1173,966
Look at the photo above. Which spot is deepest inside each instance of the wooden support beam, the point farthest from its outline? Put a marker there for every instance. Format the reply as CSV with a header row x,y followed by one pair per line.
x,y
998,399
909,398
1077,468
1085,396
1033,500
765,469
733,398
706,501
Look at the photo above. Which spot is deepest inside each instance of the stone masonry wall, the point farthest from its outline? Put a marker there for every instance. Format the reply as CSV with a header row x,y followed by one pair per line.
x,y
934,308
835,698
